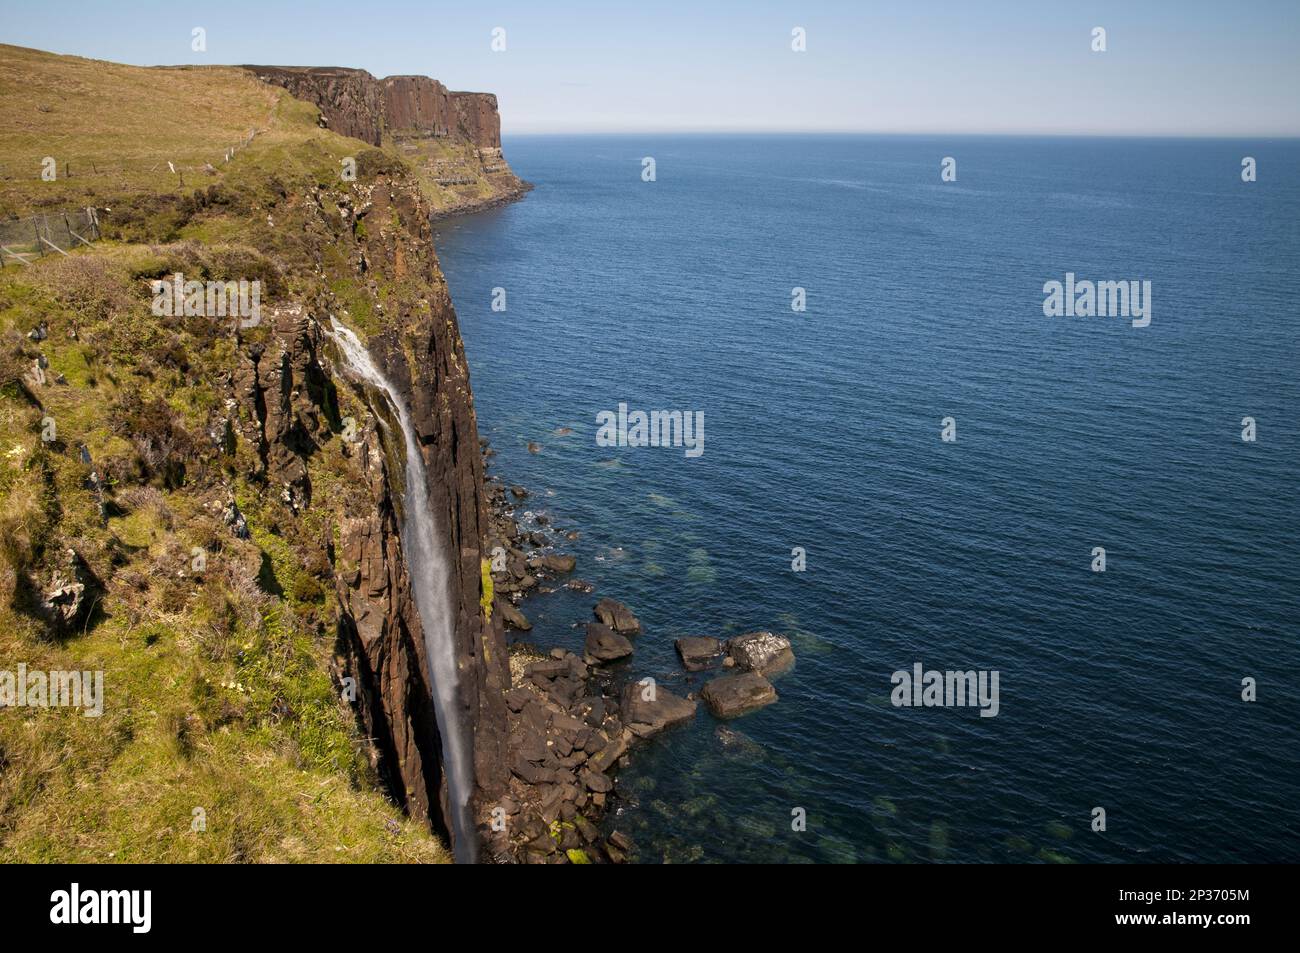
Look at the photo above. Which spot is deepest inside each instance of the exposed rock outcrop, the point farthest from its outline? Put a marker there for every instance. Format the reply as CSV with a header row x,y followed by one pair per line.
x,y
649,709
68,603
764,652
605,645
698,652
617,616
351,101
287,388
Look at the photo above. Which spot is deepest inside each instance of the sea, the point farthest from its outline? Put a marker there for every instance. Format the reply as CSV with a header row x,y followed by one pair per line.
x,y
907,460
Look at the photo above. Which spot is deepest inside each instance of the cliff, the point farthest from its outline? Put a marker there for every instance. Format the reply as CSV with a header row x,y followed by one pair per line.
x,y
354,103
452,138
231,498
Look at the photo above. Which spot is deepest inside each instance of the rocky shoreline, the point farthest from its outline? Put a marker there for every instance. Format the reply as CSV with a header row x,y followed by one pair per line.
x,y
572,720
475,206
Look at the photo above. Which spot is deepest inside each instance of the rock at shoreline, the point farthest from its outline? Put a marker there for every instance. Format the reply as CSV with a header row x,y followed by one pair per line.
x,y
596,782
617,616
557,563
580,585
562,680
730,696
511,615
519,492
649,716
698,651
763,652
606,645
604,759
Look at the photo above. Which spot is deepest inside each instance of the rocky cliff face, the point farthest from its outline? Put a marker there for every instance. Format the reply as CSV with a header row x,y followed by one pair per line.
x,y
350,101
354,103
420,105
452,140
290,391
230,491
423,356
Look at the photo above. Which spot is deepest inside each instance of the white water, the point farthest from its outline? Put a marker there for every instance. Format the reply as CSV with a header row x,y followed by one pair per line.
x,y
431,582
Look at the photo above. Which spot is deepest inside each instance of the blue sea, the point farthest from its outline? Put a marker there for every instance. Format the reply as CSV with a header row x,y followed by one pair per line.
x,y
1119,689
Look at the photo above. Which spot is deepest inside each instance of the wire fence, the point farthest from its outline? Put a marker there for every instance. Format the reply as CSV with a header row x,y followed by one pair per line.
x,y
23,240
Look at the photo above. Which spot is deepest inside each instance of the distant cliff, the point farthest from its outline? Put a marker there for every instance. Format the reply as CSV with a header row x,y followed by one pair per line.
x,y
452,139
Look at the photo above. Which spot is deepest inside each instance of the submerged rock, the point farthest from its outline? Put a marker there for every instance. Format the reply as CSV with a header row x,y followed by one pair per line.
x,y
730,696
764,652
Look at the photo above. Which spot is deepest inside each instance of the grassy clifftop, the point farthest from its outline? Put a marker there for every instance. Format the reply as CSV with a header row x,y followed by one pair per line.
x,y
217,687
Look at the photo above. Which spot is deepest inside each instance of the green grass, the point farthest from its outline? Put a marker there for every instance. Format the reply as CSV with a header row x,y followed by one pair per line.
x,y
218,687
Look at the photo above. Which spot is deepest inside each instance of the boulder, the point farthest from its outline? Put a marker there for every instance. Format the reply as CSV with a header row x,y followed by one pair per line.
x,y
512,616
558,563
617,616
596,782
66,606
648,716
730,696
605,758
764,652
698,651
530,773
606,645
517,698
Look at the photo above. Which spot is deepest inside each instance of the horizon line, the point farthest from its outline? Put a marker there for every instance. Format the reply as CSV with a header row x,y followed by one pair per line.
x,y
1235,136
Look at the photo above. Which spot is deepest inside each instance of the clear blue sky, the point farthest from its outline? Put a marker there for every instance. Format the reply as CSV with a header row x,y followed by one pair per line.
x,y
1173,67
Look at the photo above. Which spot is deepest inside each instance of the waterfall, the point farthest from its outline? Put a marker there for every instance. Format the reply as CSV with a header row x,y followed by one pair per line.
x,y
431,582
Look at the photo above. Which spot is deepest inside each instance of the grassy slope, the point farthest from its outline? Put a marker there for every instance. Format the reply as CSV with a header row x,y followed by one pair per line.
x,y
115,127
217,684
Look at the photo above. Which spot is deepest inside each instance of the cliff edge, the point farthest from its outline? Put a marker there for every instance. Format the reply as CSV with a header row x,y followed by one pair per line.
x,y
452,139
203,506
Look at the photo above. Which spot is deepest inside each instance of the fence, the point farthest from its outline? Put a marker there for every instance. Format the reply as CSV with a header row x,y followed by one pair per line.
x,y
24,239
50,233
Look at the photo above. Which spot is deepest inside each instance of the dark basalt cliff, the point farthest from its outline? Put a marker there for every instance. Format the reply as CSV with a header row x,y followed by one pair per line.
x,y
424,358
286,389
354,103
